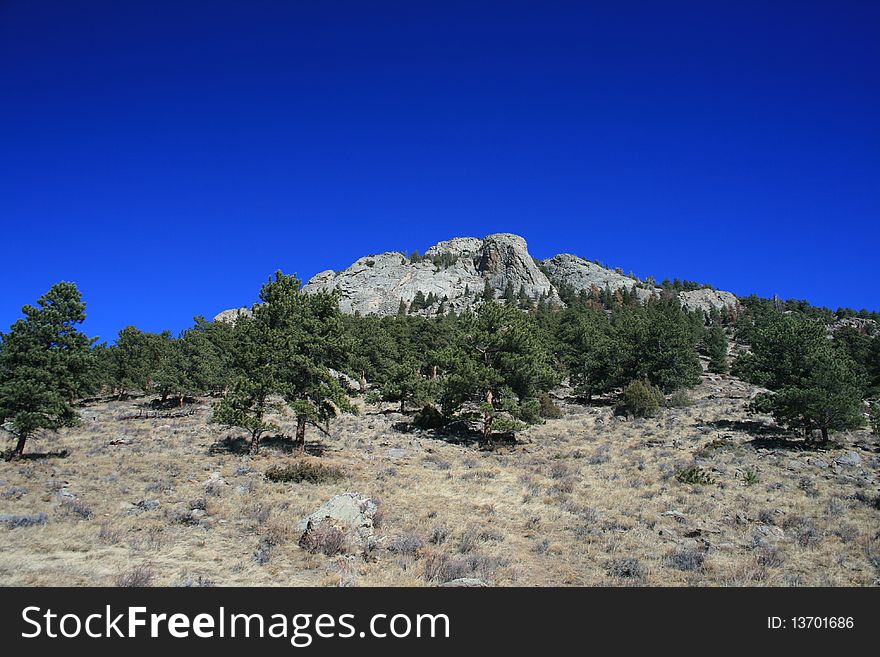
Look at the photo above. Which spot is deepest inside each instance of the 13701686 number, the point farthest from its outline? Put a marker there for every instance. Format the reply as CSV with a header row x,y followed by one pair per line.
x,y
821,622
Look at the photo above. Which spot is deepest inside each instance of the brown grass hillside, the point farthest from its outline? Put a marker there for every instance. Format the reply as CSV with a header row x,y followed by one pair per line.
x,y
147,497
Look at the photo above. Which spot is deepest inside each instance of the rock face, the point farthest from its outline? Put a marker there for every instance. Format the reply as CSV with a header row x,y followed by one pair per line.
x,y
574,272
706,299
232,314
455,272
345,519
579,274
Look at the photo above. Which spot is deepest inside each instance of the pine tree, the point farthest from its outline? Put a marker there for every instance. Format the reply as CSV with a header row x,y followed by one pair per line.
x,y
715,342
488,291
590,352
45,364
813,384
405,383
508,295
418,303
287,349
499,362
657,342
135,360
255,379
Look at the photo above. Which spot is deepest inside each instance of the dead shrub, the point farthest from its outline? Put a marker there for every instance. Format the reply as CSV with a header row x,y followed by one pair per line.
x,y
304,472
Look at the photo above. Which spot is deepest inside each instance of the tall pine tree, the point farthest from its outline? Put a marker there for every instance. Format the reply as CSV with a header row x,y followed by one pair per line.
x,y
45,364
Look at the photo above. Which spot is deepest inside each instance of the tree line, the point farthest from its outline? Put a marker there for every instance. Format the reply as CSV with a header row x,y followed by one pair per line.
x,y
493,367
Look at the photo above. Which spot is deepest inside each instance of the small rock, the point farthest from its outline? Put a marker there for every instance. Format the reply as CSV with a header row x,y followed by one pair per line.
x,y
395,453
819,463
677,515
770,532
470,582
850,458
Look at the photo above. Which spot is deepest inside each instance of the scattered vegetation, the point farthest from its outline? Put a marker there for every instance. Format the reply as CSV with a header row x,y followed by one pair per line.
x,y
304,472
695,476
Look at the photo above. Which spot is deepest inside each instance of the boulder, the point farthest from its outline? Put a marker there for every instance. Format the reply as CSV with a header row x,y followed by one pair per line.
x,y
347,517
850,458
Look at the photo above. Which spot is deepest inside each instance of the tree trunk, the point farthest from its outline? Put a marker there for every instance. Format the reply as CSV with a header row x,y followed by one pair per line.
x,y
434,372
363,382
180,399
255,442
19,447
301,433
403,407
824,434
487,421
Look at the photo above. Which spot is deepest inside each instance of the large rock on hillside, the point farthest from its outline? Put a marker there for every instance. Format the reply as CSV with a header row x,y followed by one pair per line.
x,y
342,524
579,274
571,271
455,271
505,262
232,314
706,299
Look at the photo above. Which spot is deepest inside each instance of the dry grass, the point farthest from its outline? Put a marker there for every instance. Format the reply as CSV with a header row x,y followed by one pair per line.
x,y
585,499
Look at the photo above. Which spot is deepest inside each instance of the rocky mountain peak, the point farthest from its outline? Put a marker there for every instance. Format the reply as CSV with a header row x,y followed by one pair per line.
x,y
453,274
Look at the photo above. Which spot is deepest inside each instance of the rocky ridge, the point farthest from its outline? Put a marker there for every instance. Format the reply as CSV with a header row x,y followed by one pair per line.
x,y
454,273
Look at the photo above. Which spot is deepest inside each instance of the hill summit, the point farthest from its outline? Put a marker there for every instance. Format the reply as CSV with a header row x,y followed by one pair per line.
x,y
455,274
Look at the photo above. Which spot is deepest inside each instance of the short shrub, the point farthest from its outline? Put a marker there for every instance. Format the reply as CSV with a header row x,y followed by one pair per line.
x,y
679,399
640,399
442,568
136,577
439,535
304,472
548,408
625,568
407,544
325,538
77,508
874,417
14,521
429,418
686,559
695,476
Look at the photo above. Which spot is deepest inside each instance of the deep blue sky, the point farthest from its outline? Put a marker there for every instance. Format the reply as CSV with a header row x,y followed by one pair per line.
x,y
168,156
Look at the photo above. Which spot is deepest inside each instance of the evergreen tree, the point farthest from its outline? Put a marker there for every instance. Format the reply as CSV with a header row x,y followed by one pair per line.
x,y
406,383
135,360
590,351
488,291
418,303
255,379
715,343
499,362
814,386
287,349
657,342
45,365
508,295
